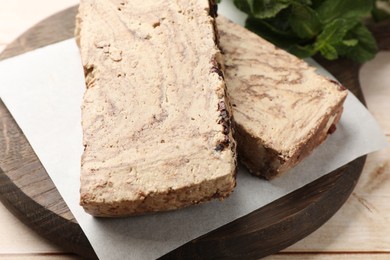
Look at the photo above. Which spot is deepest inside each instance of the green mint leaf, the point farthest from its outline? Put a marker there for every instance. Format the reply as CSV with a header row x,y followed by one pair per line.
x,y
268,8
244,5
329,52
333,28
350,42
332,36
316,3
334,32
333,9
281,38
305,2
262,8
302,51
304,21
365,49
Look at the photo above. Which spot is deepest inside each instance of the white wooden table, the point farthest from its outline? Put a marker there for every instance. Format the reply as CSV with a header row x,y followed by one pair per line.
x,y
359,230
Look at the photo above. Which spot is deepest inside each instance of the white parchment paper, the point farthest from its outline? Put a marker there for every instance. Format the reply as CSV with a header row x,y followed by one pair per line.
x,y
43,90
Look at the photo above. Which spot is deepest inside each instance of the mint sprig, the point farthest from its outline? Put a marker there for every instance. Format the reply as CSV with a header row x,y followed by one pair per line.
x,y
332,28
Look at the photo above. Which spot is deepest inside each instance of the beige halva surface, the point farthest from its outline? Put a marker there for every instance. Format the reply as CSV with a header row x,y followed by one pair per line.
x,y
282,108
156,123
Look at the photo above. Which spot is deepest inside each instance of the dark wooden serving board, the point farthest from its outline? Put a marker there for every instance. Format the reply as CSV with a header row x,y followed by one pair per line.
x,y
27,190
